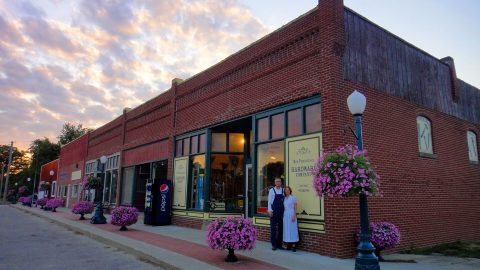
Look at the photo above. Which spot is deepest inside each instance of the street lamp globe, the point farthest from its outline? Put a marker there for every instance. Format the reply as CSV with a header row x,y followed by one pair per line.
x,y
16,184
356,103
29,179
52,172
103,159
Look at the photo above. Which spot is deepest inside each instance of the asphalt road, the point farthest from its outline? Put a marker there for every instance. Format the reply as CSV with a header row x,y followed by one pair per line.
x,y
28,242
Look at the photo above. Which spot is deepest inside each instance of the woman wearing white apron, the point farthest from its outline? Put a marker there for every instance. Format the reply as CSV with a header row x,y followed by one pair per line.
x,y
290,226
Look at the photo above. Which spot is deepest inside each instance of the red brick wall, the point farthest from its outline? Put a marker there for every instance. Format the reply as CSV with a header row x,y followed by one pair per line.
x,y
72,159
194,223
143,154
45,171
431,200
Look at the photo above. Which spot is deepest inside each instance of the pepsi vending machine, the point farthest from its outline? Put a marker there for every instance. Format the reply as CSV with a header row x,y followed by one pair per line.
x,y
158,202
163,203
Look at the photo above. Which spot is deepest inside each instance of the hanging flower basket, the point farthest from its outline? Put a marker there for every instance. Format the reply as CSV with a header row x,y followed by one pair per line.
x,y
92,182
45,186
54,204
231,233
42,202
22,189
124,216
82,208
383,235
345,173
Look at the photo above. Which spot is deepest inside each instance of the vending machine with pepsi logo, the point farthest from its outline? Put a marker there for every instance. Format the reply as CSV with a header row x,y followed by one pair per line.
x,y
158,195
163,203
158,202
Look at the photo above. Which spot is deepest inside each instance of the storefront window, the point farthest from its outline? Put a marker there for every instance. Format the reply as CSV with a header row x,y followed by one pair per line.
x,y
186,146
294,122
179,148
106,187
113,187
202,143
197,181
313,118
262,129
194,145
236,142
219,142
278,126
127,185
227,185
270,165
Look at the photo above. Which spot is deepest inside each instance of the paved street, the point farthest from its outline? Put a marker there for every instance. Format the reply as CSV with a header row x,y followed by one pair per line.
x,y
28,242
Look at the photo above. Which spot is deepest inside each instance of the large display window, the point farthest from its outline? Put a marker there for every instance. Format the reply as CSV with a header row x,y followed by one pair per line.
x,y
197,182
227,182
273,129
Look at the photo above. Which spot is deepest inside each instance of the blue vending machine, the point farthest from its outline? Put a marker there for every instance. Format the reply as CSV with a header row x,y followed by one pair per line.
x,y
162,203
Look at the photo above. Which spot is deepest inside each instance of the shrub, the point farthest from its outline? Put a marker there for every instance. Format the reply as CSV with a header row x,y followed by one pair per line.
x,y
124,216
232,233
347,172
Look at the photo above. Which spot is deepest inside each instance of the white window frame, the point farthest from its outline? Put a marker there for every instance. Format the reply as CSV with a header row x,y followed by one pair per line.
x,y
420,120
74,191
53,191
472,144
113,163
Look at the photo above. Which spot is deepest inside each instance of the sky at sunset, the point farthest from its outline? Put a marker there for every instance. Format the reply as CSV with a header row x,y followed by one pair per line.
x,y
84,61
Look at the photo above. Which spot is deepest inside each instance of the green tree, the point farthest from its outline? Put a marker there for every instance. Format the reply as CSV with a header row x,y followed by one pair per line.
x,y
70,132
19,167
42,152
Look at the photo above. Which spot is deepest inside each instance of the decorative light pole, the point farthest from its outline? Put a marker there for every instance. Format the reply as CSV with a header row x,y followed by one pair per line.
x,y
98,217
33,192
366,259
52,172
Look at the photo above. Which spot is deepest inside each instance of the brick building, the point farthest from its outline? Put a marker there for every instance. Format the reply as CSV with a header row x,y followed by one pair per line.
x,y
47,186
222,135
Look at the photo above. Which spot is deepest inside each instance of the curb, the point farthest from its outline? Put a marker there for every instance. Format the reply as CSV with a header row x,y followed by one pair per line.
x,y
142,255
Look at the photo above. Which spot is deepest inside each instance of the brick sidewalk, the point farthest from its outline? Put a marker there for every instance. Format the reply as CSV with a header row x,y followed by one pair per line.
x,y
183,248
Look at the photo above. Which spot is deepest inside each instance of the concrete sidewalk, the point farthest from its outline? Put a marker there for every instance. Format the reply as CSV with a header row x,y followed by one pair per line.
x,y
175,247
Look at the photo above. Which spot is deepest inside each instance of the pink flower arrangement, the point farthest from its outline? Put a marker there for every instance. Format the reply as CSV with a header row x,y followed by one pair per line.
x,y
54,203
124,216
22,189
91,182
234,233
25,200
82,208
383,235
42,202
347,172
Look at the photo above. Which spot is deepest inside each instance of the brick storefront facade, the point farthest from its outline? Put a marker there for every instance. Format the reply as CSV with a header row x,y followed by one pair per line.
x,y
432,199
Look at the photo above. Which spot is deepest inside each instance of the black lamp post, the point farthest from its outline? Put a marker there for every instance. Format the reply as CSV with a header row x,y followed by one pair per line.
x,y
33,192
98,217
52,189
366,259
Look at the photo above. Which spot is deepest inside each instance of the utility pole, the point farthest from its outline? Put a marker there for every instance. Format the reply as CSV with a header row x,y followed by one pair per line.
x,y
1,177
8,172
